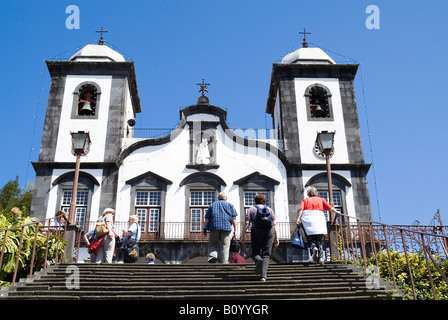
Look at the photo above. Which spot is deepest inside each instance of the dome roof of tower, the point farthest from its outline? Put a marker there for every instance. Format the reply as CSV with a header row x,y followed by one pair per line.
x,y
307,55
101,53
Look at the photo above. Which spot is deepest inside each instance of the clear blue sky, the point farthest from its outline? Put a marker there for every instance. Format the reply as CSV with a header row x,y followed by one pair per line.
x,y
232,44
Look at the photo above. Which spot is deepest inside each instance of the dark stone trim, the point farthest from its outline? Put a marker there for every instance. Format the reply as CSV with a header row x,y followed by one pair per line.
x,y
205,177
336,179
202,167
71,174
52,118
71,165
256,175
161,180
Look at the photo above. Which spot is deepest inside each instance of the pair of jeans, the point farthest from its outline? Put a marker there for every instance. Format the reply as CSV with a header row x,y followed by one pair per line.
x,y
262,242
105,252
219,245
315,241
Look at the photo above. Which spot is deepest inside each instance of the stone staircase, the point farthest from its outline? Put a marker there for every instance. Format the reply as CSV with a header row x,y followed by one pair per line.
x,y
193,282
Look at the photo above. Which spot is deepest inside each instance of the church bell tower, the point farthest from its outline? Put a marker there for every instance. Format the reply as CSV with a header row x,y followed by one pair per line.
x,y
94,91
310,93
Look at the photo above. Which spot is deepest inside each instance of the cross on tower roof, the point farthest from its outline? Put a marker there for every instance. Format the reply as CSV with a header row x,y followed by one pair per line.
x,y
101,42
304,43
203,87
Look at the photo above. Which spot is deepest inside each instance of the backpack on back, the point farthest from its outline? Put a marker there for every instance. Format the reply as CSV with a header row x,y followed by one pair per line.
x,y
263,218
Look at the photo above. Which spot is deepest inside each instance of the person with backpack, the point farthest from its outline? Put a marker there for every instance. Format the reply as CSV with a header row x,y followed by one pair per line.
x,y
264,234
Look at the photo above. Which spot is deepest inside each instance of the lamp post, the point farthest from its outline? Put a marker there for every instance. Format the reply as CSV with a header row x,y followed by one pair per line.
x,y
80,147
325,141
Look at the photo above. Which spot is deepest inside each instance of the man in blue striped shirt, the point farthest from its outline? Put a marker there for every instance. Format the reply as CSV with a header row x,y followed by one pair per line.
x,y
219,220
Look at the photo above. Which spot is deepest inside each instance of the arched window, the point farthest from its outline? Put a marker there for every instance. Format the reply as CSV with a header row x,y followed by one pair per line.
x,y
86,188
318,103
148,198
86,101
201,190
340,188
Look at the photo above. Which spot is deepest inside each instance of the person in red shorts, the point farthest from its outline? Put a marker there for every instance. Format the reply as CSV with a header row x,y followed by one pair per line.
x,y
311,216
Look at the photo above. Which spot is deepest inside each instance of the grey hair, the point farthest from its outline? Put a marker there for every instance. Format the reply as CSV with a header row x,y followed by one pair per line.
x,y
312,191
222,196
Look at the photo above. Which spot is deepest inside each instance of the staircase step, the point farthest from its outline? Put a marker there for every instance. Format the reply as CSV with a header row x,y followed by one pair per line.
x,y
198,282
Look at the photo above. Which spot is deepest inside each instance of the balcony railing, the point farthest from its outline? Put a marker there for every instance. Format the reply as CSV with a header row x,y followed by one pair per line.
x,y
182,230
155,133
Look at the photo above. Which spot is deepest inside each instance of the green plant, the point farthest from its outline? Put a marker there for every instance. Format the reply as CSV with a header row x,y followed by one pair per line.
x,y
12,243
420,274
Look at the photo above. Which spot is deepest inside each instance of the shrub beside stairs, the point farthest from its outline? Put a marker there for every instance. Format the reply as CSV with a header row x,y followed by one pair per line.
x,y
202,281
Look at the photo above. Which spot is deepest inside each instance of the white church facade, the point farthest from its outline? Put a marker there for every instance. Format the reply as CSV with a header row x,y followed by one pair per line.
x,y
170,180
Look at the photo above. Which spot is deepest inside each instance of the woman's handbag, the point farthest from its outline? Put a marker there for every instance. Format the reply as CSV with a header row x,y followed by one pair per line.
x,y
297,240
235,245
101,229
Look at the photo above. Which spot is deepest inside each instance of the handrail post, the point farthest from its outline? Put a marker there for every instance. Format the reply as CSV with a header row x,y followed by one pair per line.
x,y
407,262
34,250
18,256
3,248
386,236
428,267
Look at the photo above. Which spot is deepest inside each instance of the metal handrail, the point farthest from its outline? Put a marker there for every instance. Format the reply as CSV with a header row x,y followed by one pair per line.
x,y
362,239
44,226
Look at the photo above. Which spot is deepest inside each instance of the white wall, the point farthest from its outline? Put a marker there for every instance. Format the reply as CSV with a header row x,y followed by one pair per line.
x,y
96,127
169,161
308,129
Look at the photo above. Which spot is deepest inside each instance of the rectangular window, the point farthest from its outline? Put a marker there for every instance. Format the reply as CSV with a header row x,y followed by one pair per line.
x,y
196,219
337,200
199,203
202,198
250,195
82,200
147,207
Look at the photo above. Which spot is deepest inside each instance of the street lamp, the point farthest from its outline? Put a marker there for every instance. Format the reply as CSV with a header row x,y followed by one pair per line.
x,y
80,147
325,141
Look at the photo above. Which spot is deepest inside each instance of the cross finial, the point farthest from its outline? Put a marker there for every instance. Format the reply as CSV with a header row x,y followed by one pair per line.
x,y
304,43
203,87
101,42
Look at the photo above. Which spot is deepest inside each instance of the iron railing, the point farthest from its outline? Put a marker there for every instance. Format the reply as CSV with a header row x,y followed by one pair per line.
x,y
48,232
362,242
155,133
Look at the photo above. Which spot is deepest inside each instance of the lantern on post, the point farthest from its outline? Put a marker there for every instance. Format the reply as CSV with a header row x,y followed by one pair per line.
x,y
80,147
325,141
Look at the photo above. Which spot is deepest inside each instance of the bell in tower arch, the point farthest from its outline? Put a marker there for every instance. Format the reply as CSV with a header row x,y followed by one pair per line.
x,y
86,109
86,105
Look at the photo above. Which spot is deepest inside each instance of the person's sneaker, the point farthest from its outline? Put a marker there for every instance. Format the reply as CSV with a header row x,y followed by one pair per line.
x,y
321,261
212,260
315,255
263,279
